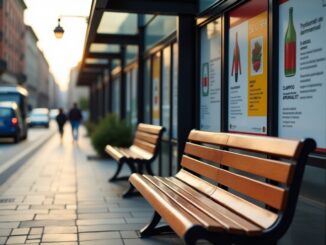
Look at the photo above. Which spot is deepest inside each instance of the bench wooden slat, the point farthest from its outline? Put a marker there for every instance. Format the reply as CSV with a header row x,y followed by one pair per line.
x,y
150,138
177,217
252,212
204,219
227,218
114,152
153,129
208,137
131,154
271,169
145,146
204,152
263,192
145,154
269,145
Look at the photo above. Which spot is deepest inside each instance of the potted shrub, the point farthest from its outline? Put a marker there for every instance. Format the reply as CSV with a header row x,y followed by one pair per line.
x,y
111,131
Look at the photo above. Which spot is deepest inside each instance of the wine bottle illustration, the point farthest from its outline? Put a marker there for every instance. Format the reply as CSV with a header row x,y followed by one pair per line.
x,y
205,80
236,64
290,47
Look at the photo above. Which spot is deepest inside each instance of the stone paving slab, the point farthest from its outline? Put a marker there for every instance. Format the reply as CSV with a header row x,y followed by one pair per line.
x,y
60,197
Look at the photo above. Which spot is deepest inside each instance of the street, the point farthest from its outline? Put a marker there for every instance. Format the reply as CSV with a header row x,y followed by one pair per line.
x,y
11,154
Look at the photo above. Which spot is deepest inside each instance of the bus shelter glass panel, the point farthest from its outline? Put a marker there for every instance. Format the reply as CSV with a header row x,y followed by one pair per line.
x,y
131,53
101,47
156,89
118,23
128,97
302,66
247,73
133,106
204,4
166,90
159,28
210,76
175,91
147,92
116,96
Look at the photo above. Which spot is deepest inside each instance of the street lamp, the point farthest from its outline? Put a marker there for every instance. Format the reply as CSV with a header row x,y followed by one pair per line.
x,y
59,31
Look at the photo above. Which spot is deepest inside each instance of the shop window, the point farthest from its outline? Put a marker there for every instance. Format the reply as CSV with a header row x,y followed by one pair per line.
x,y
247,63
210,76
302,65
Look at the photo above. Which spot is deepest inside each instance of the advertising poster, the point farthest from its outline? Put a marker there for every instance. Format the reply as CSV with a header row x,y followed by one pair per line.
x,y
302,70
156,90
210,78
248,68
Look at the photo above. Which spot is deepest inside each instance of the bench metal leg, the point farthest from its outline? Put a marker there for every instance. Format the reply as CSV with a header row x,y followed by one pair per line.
x,y
130,192
118,170
149,229
149,169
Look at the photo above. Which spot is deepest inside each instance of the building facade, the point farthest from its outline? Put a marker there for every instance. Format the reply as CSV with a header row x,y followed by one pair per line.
x,y
43,81
31,66
75,94
38,76
12,42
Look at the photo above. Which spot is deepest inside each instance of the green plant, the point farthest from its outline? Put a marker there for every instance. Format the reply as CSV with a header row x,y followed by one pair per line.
x,y
84,104
111,130
90,127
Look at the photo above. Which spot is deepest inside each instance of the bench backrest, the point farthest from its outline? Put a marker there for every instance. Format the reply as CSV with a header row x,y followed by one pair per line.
x,y
240,164
148,138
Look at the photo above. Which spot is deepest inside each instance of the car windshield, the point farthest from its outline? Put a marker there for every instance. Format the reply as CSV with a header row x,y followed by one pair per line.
x,y
10,97
40,112
5,112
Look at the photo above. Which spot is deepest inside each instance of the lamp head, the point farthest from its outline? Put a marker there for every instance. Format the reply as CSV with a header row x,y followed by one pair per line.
x,y
58,31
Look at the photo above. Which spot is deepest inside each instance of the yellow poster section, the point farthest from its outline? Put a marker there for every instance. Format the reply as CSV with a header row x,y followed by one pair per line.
x,y
156,88
257,68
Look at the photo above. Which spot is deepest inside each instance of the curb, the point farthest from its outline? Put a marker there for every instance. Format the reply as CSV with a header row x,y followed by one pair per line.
x,y
12,165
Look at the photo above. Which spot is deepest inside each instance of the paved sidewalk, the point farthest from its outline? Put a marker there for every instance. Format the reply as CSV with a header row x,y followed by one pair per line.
x,y
59,197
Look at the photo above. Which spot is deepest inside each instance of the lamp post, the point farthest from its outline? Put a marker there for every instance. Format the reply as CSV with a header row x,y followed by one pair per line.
x,y
59,31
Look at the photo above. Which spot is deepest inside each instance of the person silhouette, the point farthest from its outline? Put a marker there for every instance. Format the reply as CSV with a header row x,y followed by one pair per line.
x,y
75,118
61,119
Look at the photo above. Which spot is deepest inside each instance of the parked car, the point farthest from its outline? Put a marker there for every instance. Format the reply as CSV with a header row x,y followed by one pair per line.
x,y
39,117
11,122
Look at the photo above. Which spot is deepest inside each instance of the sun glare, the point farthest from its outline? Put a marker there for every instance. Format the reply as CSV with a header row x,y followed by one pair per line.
x,y
61,54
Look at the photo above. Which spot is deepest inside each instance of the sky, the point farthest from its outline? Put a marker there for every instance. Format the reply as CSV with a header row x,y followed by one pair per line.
x,y
61,54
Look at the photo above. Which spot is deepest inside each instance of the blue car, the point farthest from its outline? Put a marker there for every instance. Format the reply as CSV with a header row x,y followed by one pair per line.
x,y
11,124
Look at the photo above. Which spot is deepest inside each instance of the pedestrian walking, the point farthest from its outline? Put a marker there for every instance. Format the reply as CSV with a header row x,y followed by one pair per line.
x,y
75,118
61,119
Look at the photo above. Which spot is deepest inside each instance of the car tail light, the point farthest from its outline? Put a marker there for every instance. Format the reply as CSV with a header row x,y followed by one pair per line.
x,y
14,121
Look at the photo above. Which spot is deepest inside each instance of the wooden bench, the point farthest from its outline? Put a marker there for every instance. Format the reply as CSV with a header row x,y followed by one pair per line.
x,y
232,189
140,154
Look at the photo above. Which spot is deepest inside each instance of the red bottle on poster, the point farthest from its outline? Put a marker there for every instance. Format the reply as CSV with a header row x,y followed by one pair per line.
x,y
236,64
290,47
